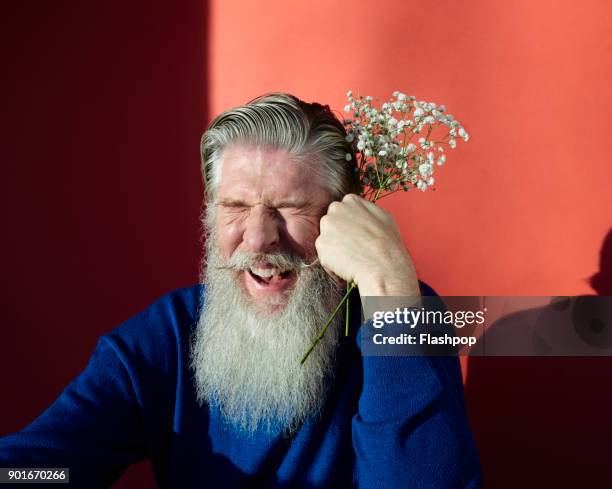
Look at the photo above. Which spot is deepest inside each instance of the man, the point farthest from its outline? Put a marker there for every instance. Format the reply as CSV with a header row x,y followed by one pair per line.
x,y
207,382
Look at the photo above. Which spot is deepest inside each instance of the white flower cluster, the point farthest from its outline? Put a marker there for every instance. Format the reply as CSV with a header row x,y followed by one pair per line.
x,y
399,144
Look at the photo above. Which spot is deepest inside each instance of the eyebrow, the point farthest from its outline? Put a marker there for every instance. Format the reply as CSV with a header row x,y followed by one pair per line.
x,y
298,204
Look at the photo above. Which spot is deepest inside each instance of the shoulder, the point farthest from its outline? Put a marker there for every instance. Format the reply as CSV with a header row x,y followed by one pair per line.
x,y
160,333
426,289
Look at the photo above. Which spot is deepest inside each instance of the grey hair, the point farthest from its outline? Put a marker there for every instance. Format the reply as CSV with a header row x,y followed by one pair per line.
x,y
310,132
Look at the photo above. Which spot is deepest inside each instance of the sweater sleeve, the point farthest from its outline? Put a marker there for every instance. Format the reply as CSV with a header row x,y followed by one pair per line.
x,y
93,428
411,428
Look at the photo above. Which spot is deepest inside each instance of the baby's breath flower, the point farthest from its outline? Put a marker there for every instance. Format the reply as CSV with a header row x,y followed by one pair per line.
x,y
388,159
390,156
425,169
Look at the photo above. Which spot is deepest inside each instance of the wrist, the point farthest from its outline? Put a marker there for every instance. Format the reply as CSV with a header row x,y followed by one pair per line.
x,y
389,285
389,272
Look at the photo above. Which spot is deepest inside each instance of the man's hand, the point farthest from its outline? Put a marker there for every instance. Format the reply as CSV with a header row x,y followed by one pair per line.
x,y
360,242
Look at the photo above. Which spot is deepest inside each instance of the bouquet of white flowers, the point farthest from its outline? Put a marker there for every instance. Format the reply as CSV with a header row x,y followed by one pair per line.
x,y
397,147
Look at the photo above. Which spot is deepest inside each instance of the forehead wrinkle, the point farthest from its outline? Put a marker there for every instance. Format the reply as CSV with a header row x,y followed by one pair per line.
x,y
254,175
298,199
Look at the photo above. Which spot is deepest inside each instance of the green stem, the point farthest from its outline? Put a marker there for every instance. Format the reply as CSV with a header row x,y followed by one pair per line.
x,y
346,318
379,190
349,289
377,194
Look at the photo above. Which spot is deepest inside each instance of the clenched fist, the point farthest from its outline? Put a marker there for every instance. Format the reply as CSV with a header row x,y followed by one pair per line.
x,y
360,242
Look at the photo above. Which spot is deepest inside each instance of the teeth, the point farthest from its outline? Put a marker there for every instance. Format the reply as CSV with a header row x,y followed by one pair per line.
x,y
266,272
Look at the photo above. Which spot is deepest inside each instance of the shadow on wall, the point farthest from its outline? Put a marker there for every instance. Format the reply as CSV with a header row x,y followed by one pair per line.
x,y
545,421
601,281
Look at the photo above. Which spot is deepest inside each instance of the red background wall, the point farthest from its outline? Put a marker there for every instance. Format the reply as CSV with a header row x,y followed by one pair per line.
x,y
101,190
522,208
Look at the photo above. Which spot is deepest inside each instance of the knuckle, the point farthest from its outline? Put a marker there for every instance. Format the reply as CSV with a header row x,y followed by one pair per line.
x,y
387,215
319,245
371,205
333,207
350,198
323,222
384,214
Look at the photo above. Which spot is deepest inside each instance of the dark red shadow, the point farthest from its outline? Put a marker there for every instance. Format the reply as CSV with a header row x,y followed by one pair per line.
x,y
103,108
545,422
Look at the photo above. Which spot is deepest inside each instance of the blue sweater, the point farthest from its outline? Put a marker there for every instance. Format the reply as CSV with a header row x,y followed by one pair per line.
x,y
389,422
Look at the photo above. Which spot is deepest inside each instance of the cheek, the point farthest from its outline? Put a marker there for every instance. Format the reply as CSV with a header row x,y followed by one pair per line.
x,y
228,238
303,234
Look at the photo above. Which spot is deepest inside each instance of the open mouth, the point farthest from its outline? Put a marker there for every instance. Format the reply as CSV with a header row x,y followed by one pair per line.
x,y
262,280
268,276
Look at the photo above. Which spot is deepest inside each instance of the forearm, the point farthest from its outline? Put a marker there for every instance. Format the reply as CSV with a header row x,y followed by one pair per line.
x,y
411,428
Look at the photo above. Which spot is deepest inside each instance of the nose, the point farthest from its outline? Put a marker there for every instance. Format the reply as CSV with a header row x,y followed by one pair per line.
x,y
261,234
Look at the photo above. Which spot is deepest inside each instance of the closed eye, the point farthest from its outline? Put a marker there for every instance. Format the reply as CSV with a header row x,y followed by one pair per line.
x,y
236,208
233,206
292,211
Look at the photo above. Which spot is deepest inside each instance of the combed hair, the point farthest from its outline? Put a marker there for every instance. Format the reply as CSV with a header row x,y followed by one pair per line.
x,y
310,132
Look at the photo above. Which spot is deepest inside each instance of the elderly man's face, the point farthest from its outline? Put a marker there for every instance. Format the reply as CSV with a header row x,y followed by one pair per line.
x,y
267,203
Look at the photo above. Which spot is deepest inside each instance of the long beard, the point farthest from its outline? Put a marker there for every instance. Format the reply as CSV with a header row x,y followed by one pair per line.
x,y
247,362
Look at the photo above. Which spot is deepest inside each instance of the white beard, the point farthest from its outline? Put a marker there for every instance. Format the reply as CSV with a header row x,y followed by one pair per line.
x,y
247,362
